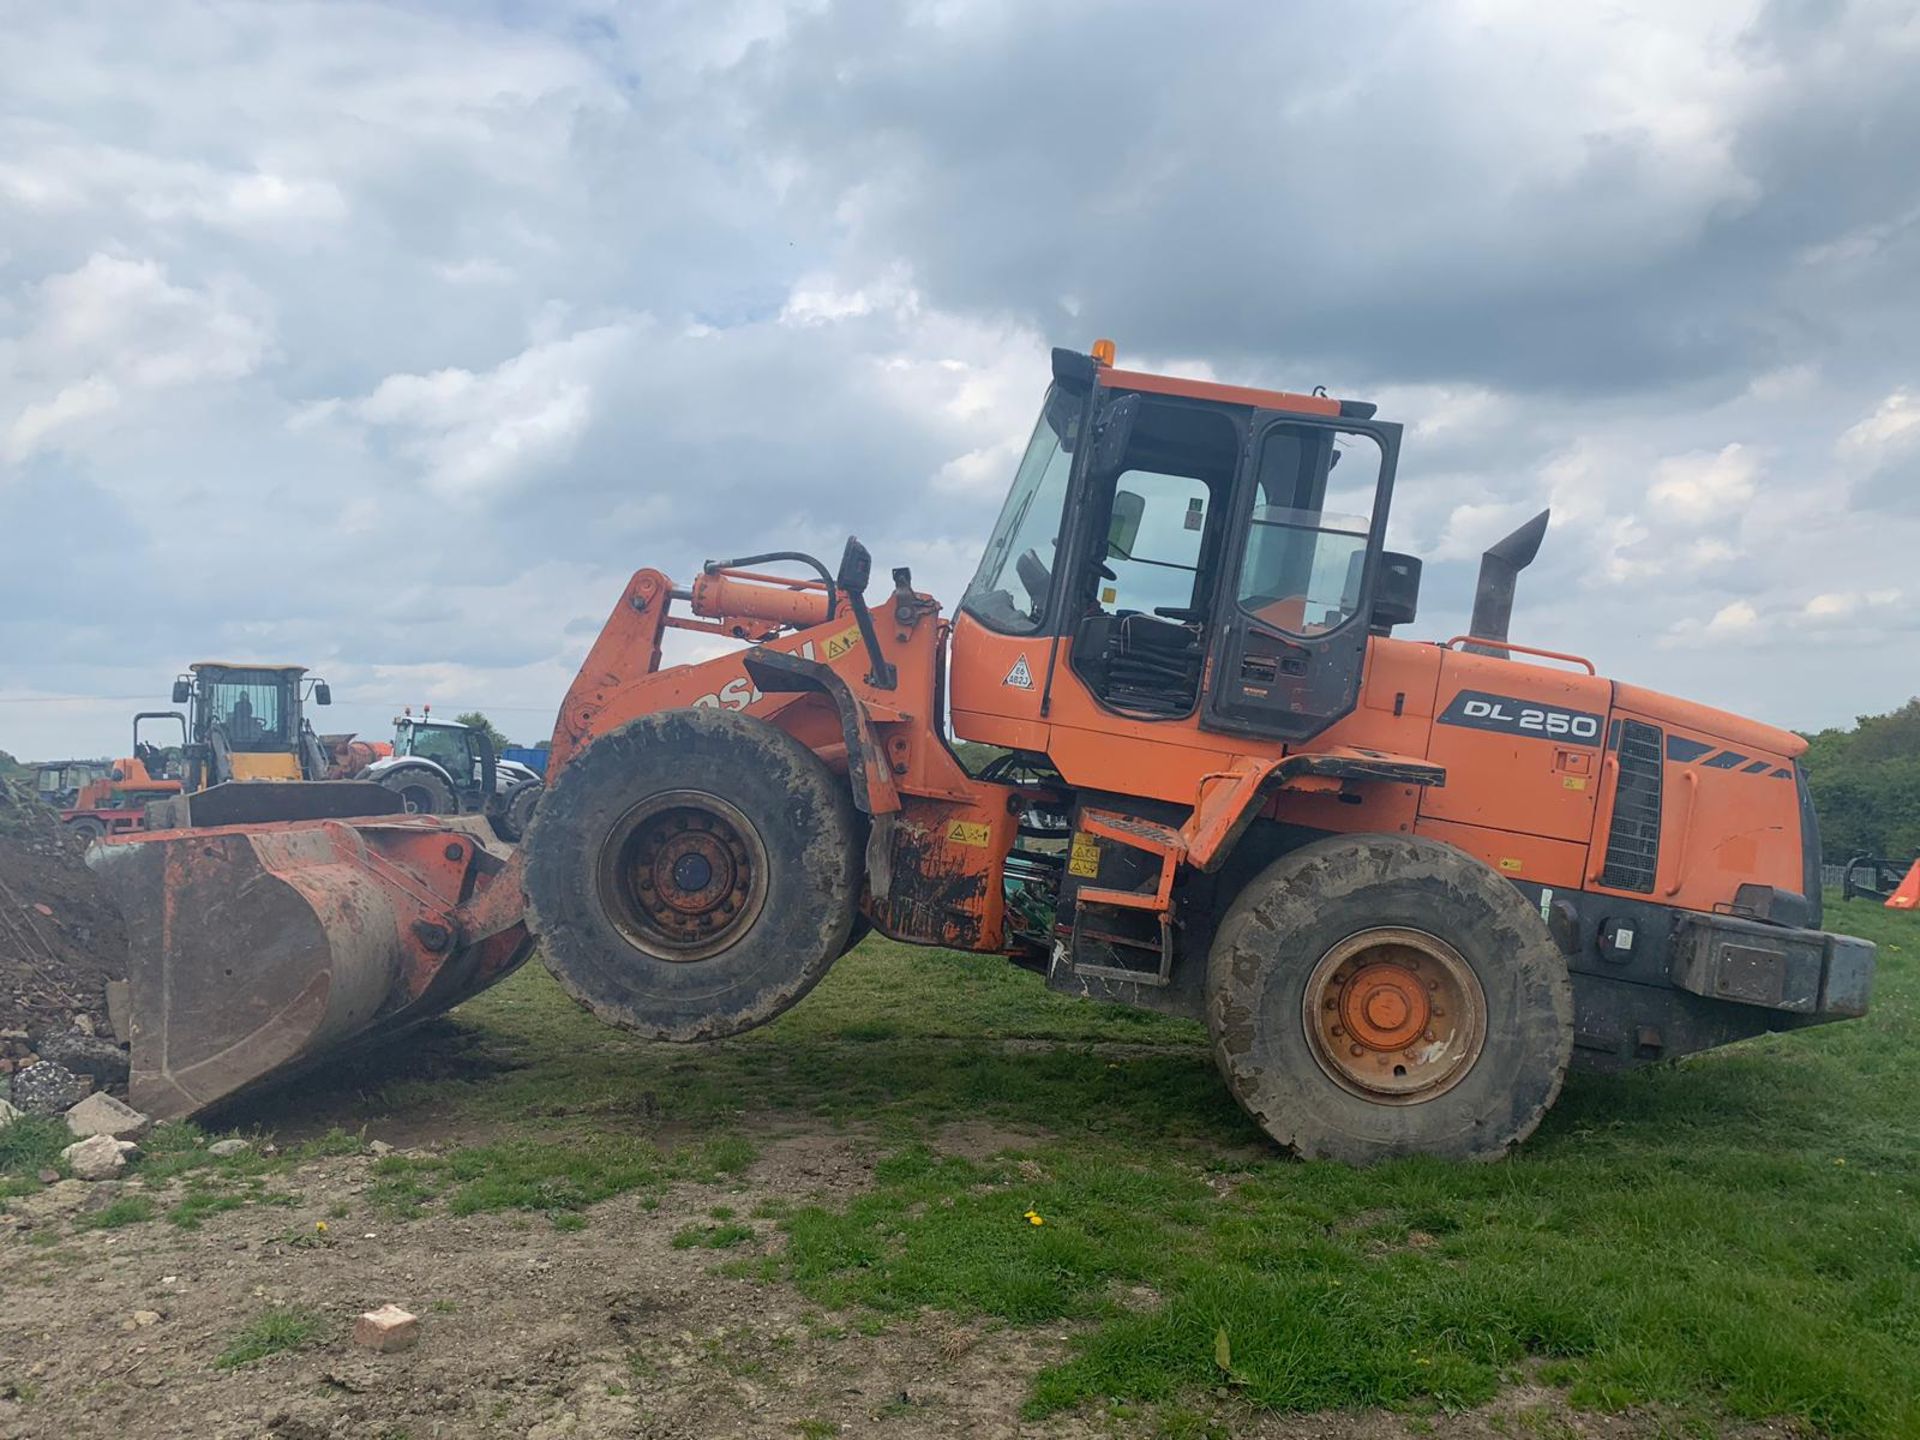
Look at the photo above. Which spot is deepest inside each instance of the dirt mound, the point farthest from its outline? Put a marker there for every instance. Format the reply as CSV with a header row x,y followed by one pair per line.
x,y
61,939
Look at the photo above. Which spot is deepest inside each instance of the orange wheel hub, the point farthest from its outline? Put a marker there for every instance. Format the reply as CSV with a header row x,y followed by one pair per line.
x,y
1394,1015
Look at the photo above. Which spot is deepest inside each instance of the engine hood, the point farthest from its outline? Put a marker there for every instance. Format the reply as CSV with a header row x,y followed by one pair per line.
x,y
1736,731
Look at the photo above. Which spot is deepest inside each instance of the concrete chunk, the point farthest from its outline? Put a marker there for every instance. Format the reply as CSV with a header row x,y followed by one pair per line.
x,y
386,1330
101,1114
99,1157
232,1145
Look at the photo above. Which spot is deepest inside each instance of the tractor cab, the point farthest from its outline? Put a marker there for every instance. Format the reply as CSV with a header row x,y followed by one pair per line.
x,y
1167,537
58,783
464,753
247,723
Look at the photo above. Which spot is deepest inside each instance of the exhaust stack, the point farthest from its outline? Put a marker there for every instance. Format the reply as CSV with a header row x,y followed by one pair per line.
x,y
1500,568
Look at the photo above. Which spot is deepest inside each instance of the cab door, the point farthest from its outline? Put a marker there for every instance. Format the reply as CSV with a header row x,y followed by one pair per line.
x,y
1290,629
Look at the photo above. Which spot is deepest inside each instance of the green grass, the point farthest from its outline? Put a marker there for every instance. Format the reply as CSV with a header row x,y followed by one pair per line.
x,y
125,1210
32,1143
286,1328
1737,1235
711,1237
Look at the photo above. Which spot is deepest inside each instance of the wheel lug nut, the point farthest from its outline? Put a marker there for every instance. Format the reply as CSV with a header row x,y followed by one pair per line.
x,y
1430,1036
1338,1031
1356,1049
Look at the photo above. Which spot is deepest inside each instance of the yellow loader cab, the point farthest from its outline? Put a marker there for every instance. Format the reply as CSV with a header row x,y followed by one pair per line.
x,y
247,723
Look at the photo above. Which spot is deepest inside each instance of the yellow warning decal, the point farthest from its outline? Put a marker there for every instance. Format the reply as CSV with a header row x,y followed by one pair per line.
x,y
1574,782
838,645
1509,863
969,832
1085,859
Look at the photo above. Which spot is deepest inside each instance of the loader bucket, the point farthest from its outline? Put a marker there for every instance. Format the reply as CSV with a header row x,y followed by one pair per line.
x,y
258,951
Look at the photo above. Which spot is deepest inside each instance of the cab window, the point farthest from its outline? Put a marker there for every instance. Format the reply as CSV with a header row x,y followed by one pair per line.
x,y
1306,541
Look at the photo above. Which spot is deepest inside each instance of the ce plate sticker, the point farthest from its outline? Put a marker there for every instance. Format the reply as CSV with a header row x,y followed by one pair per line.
x,y
1479,710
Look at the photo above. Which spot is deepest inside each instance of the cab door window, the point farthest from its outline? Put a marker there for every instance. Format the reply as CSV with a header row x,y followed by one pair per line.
x,y
1307,533
1154,543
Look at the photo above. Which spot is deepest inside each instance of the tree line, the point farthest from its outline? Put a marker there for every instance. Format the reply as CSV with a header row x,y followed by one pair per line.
x,y
1866,785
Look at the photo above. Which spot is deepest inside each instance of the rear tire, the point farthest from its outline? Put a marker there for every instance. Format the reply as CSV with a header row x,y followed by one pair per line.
x,y
1377,996
424,792
692,874
516,811
87,830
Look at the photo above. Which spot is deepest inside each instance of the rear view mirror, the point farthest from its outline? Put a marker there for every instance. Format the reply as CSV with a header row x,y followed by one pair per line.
x,y
322,693
1123,530
182,691
1112,430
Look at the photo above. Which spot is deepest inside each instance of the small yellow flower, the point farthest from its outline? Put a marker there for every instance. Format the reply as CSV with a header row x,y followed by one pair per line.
x,y
1034,1218
320,1226
1839,1160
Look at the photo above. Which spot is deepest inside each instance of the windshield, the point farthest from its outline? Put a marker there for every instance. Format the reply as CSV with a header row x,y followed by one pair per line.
x,y
1009,592
249,705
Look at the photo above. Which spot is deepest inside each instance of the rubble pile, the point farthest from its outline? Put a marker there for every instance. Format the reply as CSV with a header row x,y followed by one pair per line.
x,y
61,942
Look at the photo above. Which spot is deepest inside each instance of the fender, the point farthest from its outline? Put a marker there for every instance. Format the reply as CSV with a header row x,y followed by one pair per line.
x,y
779,672
1229,799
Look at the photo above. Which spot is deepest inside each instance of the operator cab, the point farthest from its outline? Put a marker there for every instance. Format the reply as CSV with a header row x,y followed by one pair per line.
x,y
247,722
453,747
1175,537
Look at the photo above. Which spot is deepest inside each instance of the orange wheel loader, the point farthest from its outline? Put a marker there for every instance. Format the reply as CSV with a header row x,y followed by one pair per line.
x,y
1405,883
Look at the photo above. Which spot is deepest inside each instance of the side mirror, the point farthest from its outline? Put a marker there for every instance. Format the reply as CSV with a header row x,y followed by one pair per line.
x,y
1112,431
322,693
1396,595
182,691
1124,528
856,568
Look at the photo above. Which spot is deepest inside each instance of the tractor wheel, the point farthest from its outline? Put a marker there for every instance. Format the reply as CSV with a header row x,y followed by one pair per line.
x,y
692,874
1372,996
425,792
87,829
516,811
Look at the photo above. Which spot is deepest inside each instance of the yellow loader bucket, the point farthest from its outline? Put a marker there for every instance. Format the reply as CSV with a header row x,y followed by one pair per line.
x,y
258,950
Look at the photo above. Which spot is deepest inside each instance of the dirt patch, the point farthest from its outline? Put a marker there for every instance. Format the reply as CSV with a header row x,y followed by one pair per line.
x,y
982,1139
822,1169
61,939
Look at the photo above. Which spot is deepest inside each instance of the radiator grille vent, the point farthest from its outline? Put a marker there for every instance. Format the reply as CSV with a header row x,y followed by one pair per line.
x,y
1633,840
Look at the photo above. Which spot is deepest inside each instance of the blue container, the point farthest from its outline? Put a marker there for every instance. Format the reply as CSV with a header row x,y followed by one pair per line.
x,y
526,755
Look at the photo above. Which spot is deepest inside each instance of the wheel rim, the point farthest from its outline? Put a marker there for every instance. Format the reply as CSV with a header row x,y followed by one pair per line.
x,y
683,875
1395,1016
417,801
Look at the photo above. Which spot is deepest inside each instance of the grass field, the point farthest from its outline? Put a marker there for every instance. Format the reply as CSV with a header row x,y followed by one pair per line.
x,y
1735,1237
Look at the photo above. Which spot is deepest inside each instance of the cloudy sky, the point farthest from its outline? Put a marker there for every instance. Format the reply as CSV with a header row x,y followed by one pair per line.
x,y
391,338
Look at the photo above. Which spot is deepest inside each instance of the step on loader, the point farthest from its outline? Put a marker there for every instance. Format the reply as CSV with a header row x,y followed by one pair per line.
x,y
1406,884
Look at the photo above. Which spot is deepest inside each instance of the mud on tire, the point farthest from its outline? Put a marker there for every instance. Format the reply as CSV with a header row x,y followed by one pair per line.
x,y
1325,991
692,874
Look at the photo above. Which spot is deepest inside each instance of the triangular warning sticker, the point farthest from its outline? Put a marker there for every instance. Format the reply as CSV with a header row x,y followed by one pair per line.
x,y
1020,677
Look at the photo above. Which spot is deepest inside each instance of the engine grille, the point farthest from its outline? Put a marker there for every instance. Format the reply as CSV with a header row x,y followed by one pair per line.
x,y
1633,839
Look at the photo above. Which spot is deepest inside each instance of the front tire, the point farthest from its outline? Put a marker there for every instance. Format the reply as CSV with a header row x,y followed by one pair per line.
x,y
1375,996
692,874
424,792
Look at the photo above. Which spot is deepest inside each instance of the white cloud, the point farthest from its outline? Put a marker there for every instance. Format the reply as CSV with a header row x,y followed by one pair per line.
x,y
1895,424
1705,487
116,329
473,434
